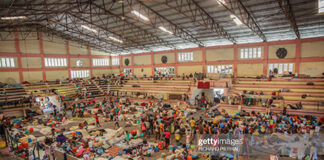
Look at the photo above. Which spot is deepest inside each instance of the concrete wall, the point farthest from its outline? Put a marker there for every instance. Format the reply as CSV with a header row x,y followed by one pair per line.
x,y
189,69
197,56
86,62
4,76
147,71
157,58
291,49
53,44
312,49
8,46
30,44
33,76
31,62
53,75
311,62
219,54
142,60
249,70
129,58
314,69
77,49
114,71
99,72
96,52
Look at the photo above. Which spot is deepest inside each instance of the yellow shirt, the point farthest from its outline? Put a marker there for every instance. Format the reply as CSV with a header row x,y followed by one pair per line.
x,y
192,123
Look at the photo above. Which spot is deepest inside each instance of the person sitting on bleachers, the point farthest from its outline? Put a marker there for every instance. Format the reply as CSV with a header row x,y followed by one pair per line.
x,y
298,106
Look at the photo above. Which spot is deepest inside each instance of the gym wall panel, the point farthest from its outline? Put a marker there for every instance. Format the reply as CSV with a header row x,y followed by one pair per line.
x,y
249,70
312,49
100,53
158,57
147,71
8,45
142,60
313,69
31,62
220,54
7,76
30,44
33,76
189,69
291,49
129,58
53,44
77,49
100,72
53,75
114,71
84,60
197,56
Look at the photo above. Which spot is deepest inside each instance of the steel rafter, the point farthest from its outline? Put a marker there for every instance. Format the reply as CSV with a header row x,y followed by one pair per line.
x,y
199,15
73,27
102,25
139,33
288,12
237,8
62,34
156,18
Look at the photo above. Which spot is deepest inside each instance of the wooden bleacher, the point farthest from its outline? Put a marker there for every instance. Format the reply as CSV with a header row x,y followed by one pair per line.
x,y
156,87
9,97
295,87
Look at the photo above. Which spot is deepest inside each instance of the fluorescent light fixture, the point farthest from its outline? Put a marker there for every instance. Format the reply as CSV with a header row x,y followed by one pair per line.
x,y
140,15
89,29
320,6
115,39
221,2
236,20
13,18
165,30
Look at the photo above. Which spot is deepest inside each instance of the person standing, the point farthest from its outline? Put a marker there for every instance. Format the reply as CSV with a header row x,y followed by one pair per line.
x,y
167,138
117,122
97,121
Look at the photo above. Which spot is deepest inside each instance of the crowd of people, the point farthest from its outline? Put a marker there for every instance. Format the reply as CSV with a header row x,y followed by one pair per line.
x,y
168,125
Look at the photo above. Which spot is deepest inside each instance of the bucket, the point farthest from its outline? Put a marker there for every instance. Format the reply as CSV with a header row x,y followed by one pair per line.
x,y
2,144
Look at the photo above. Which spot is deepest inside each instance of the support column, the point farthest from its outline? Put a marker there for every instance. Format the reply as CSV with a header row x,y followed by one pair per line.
x,y
204,60
68,58
235,61
41,48
176,63
265,59
152,63
120,64
132,63
90,61
21,78
298,56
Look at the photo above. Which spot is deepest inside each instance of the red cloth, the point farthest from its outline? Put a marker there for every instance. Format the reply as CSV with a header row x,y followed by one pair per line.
x,y
96,117
167,134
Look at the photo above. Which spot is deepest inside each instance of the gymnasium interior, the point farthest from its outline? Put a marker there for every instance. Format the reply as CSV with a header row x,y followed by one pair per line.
x,y
161,79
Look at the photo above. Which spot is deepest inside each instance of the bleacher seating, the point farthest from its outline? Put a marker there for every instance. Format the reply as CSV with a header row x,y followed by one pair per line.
x,y
10,97
294,90
156,87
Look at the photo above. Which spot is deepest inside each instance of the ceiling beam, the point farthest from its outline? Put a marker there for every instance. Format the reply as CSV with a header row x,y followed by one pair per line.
x,y
199,15
237,8
288,12
157,20
139,33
